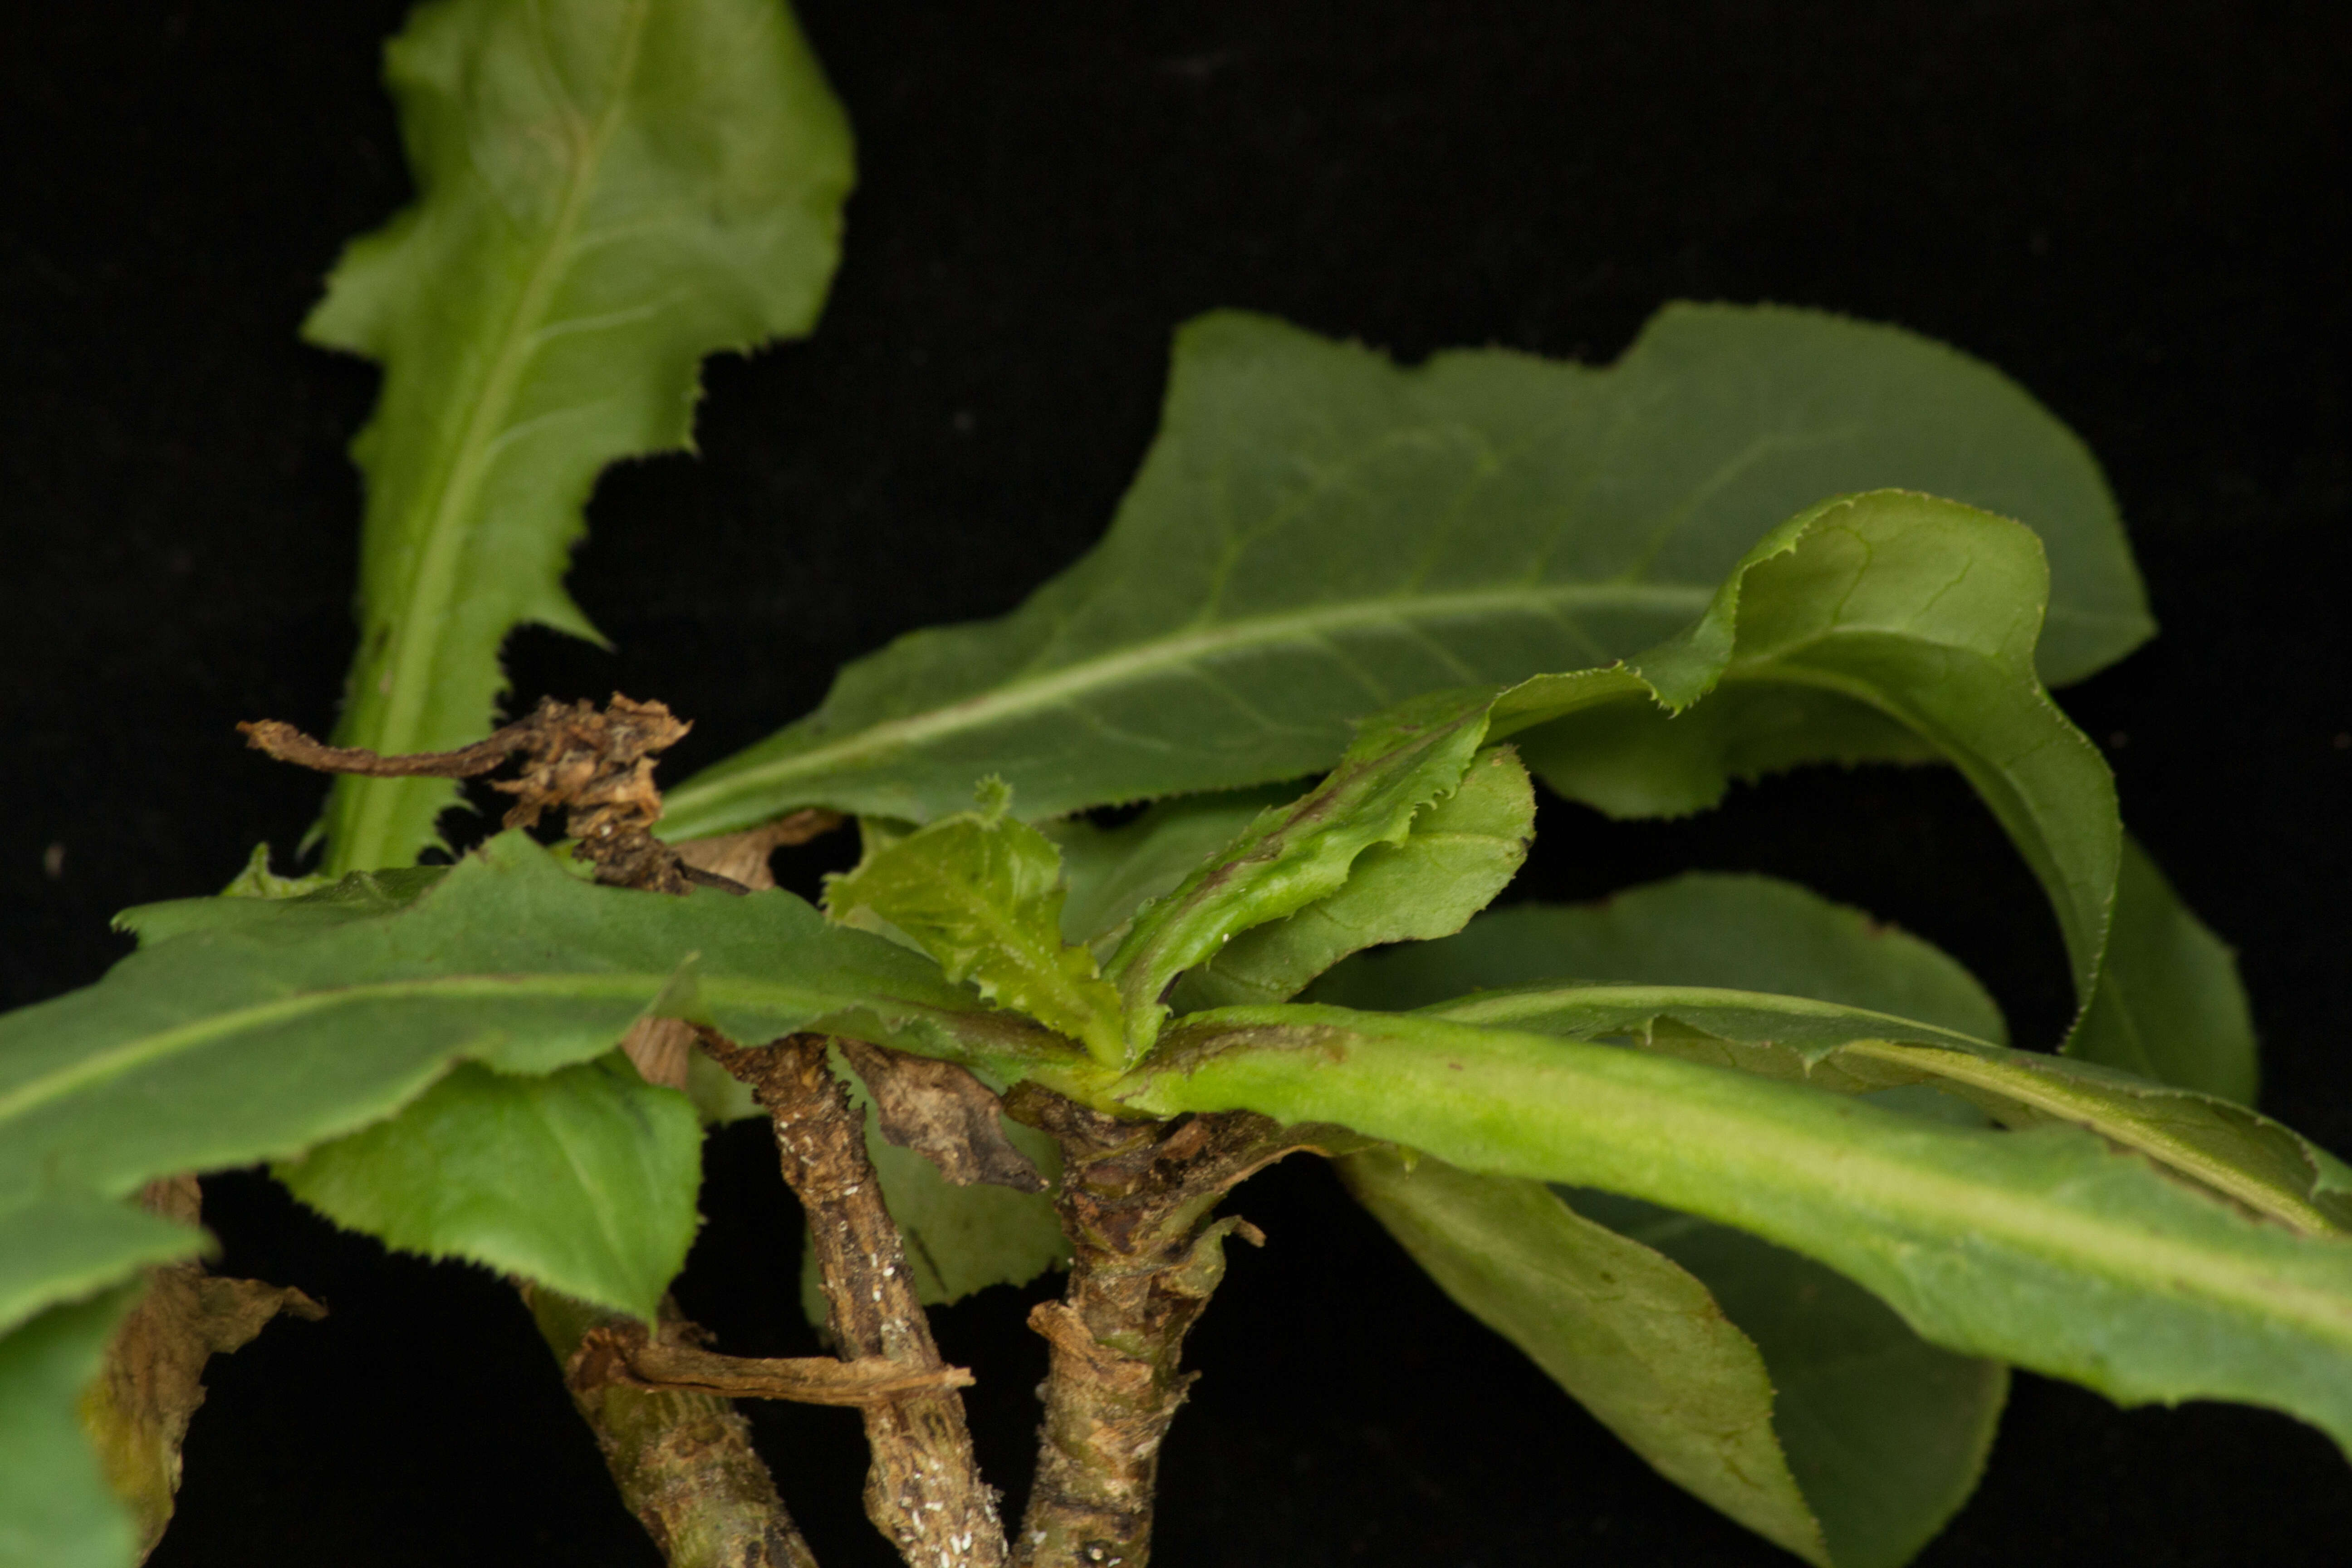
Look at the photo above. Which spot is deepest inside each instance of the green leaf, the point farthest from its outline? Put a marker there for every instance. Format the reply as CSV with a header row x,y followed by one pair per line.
x,y
2168,1004
1917,615
1631,1337
1454,858
583,1180
2047,1248
1885,1434
1914,618
56,1508
1290,856
1111,872
609,190
982,893
1738,932
61,1244
1318,533
2269,1168
262,1028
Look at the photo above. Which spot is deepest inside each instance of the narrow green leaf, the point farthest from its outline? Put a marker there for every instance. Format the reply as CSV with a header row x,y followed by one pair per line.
x,y
2168,1004
1738,932
263,1028
1631,1337
1111,872
609,190
982,893
1293,856
1885,1434
1316,534
583,1180
2267,1167
1456,856
56,1508
2046,1248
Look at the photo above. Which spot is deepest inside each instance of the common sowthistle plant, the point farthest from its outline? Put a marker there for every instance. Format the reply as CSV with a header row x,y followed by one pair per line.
x,y
1348,620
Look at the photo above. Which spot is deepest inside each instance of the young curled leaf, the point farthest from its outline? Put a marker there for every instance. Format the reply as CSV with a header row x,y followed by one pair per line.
x,y
1458,853
1404,760
982,893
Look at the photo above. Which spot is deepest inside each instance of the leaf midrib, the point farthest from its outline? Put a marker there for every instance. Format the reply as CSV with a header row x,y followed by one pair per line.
x,y
2055,1098
1975,1062
426,614
1933,1199
1166,654
643,986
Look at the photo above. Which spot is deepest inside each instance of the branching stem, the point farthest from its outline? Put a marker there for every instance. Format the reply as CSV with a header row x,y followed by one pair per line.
x,y
683,1460
1136,1202
923,1489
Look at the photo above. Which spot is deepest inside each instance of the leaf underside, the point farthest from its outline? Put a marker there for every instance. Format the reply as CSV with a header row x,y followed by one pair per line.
x,y
1885,1435
1635,1339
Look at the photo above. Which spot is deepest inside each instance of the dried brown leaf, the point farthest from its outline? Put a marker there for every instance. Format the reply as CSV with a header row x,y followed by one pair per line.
x,y
944,1114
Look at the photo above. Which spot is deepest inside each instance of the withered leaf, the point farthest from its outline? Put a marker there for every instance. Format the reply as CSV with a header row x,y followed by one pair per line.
x,y
944,1114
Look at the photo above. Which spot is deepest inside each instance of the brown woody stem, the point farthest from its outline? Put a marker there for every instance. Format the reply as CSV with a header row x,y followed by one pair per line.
x,y
623,1353
682,1459
923,1489
1136,1202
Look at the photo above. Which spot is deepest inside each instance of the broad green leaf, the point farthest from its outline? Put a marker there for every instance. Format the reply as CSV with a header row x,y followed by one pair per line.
x,y
1913,616
262,1028
1631,1337
1111,872
1318,534
1738,933
982,893
2269,1168
56,1508
1918,614
2046,1248
1403,760
1458,853
583,1180
609,191
959,1239
1885,1434
2168,1004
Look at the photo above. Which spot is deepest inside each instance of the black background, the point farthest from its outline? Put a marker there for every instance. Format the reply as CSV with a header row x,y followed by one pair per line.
x,y
2137,210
